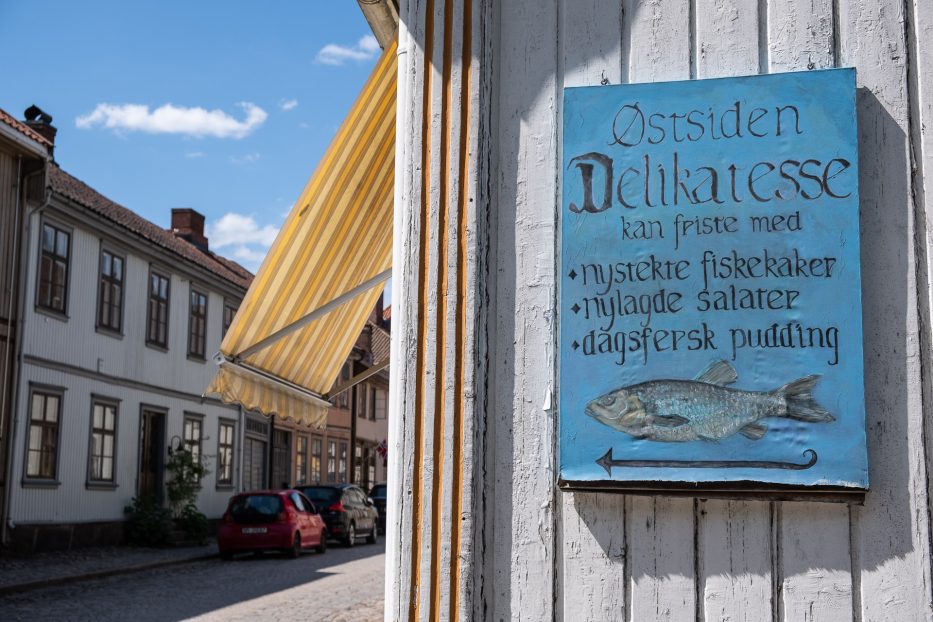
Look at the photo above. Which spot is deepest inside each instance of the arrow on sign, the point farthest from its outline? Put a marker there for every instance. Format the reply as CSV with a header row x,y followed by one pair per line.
x,y
607,462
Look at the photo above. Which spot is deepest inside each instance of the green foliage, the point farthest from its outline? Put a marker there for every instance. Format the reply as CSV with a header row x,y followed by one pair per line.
x,y
149,524
194,524
186,474
182,488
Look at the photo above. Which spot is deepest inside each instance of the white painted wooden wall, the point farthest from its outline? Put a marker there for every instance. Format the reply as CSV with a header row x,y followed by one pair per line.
x,y
541,554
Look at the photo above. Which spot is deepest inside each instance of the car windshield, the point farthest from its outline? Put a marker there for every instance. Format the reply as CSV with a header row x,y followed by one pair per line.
x,y
256,508
378,491
322,494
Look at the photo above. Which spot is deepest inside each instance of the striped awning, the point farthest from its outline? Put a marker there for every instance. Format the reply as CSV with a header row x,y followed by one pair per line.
x,y
297,324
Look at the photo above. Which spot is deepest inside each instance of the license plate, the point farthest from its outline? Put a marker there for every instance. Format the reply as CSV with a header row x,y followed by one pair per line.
x,y
254,530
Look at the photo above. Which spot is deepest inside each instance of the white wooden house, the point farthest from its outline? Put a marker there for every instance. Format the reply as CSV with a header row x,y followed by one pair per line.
x,y
119,319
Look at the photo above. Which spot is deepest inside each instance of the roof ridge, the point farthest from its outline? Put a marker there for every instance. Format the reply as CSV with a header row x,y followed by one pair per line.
x,y
79,191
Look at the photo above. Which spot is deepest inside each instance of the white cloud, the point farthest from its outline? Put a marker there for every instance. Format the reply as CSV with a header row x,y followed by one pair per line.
x,y
333,54
248,158
171,119
250,258
240,230
288,104
195,154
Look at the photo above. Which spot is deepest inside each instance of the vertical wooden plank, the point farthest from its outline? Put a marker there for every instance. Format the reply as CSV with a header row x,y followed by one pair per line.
x,y
734,565
594,556
734,537
814,560
812,541
660,539
657,40
523,463
920,77
592,526
726,38
891,538
800,35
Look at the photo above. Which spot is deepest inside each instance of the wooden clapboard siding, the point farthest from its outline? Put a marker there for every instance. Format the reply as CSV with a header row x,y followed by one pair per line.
x,y
478,282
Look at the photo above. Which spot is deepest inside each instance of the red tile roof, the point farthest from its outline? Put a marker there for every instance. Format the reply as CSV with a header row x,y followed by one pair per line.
x,y
78,191
22,128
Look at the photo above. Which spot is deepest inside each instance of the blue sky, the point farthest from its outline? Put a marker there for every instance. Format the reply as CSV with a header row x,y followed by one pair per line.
x,y
225,107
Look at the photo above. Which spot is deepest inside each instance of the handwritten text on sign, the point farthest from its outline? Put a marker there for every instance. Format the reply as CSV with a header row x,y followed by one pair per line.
x,y
710,269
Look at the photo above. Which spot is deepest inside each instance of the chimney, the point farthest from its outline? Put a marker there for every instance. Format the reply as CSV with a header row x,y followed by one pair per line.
x,y
41,123
188,225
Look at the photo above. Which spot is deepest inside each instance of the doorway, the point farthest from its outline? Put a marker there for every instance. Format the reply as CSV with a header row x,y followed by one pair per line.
x,y
151,455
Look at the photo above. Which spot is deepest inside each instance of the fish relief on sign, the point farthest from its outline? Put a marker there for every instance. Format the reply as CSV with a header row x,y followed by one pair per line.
x,y
705,409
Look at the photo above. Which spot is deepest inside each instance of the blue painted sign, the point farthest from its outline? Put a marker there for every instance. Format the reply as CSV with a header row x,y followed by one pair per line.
x,y
710,301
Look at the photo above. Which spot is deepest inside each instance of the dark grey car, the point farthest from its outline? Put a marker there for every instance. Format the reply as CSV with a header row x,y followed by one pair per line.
x,y
347,511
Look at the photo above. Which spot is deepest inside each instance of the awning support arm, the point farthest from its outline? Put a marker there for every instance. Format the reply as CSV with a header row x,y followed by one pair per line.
x,y
355,380
320,400
310,317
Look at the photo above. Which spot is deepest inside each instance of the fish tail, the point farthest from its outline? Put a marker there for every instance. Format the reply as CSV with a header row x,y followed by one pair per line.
x,y
800,403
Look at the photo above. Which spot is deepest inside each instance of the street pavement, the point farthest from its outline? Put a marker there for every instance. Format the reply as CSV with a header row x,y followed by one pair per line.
x,y
341,585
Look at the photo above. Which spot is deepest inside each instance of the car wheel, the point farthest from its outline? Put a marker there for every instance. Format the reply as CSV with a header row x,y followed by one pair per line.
x,y
322,547
350,540
373,535
295,551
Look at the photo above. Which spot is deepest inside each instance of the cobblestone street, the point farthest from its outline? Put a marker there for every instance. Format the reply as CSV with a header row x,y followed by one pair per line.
x,y
341,585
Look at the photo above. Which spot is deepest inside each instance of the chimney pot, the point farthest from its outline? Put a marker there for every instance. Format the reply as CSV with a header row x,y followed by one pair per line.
x,y
41,123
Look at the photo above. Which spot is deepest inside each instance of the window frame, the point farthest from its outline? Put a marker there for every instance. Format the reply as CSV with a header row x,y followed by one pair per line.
x,y
153,271
225,326
193,418
301,458
193,291
331,461
224,484
69,231
38,480
91,481
342,456
98,324
318,457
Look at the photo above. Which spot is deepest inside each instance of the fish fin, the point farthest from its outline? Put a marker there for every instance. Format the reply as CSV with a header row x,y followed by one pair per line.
x,y
719,373
753,431
669,421
800,403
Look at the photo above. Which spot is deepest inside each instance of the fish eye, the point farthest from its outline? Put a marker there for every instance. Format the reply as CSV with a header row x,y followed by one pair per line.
x,y
607,400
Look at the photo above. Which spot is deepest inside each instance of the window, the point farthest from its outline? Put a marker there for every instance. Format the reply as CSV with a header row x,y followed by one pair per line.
x,y
371,465
157,322
103,441
110,292
225,454
52,291
331,461
192,437
362,392
197,324
301,460
380,408
343,399
229,313
316,459
372,402
342,463
42,450
358,465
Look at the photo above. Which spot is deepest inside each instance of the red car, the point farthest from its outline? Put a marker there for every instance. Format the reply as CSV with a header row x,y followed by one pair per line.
x,y
261,520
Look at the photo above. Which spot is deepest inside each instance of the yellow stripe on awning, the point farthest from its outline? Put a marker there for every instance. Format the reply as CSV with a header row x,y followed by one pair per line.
x,y
337,236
